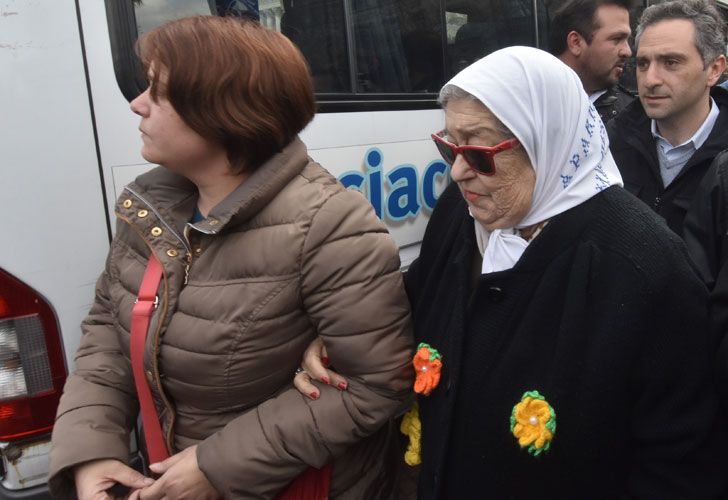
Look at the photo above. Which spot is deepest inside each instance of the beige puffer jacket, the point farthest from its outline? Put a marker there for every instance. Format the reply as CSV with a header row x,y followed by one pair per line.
x,y
287,256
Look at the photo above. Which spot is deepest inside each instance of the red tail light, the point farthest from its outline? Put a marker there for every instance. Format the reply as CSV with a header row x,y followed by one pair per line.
x,y
32,368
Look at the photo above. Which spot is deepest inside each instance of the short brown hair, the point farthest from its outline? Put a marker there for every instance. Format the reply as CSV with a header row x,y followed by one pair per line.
x,y
233,82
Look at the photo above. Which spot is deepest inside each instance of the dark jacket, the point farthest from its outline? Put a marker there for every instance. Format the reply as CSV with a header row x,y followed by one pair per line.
x,y
706,236
635,152
612,102
289,255
605,318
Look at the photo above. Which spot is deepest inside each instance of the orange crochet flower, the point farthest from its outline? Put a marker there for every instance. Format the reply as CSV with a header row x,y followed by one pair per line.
x,y
427,363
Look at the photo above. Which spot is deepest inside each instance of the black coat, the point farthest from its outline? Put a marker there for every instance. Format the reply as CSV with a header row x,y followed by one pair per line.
x,y
635,152
612,102
706,236
604,317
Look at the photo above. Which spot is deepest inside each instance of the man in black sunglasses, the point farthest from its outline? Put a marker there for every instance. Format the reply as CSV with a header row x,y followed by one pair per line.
x,y
592,38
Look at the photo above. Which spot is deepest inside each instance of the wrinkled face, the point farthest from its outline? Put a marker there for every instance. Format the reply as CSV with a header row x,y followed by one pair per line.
x,y
497,201
671,76
602,61
168,140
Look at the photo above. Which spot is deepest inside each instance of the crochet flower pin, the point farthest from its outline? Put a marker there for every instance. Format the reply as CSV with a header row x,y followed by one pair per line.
x,y
533,423
428,364
411,427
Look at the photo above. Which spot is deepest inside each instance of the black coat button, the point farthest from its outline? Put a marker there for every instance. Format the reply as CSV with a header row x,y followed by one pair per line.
x,y
495,294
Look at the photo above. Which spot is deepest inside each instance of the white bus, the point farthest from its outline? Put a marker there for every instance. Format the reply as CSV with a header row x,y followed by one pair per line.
x,y
70,144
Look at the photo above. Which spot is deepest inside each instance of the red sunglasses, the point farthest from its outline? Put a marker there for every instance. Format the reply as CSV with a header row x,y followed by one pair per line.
x,y
479,158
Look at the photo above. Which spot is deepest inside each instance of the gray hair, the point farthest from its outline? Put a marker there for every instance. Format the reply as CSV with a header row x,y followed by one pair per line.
x,y
710,29
453,93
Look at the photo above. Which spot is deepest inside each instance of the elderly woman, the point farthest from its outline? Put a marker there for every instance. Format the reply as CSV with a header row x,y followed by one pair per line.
x,y
261,251
568,328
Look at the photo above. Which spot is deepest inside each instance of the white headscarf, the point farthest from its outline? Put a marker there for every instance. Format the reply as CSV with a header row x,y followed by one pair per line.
x,y
542,101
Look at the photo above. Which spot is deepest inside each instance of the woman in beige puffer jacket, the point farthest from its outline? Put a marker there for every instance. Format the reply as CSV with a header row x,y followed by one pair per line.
x,y
262,250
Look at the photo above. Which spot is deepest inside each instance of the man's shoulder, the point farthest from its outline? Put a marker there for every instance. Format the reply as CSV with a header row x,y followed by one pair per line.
x,y
632,121
718,138
621,90
613,102
717,176
720,96
624,96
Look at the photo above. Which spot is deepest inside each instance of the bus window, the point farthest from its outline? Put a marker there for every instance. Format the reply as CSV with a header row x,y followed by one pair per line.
x,y
325,46
151,13
363,54
478,27
398,46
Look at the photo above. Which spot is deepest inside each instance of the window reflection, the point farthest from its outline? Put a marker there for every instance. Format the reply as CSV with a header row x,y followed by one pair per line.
x,y
237,8
318,27
479,27
398,45
152,13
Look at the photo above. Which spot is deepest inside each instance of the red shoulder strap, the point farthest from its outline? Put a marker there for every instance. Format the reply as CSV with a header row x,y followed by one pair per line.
x,y
313,484
141,314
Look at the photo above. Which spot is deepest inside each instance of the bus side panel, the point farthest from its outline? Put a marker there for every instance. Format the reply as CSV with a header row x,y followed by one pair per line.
x,y
53,223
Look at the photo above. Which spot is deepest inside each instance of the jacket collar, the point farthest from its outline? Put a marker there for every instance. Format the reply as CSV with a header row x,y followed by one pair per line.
x,y
174,197
718,137
699,137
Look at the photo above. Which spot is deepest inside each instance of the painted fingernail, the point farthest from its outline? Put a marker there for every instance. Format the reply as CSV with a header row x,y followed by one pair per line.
x,y
314,395
326,361
325,380
342,386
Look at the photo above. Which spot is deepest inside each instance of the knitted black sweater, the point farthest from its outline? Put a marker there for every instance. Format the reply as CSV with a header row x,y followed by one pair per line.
x,y
602,316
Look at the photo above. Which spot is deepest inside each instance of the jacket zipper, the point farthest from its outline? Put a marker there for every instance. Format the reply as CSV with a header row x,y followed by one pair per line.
x,y
188,255
188,264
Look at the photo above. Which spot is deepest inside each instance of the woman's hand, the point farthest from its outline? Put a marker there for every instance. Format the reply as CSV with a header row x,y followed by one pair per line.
x,y
181,478
314,363
94,479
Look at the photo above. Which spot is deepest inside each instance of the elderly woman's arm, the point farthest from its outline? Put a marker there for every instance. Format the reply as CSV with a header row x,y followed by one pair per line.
x,y
352,290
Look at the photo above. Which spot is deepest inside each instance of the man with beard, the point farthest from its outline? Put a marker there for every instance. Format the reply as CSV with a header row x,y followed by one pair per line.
x,y
592,37
665,141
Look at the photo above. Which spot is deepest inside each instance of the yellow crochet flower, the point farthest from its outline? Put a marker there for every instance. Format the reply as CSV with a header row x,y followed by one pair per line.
x,y
533,423
411,426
